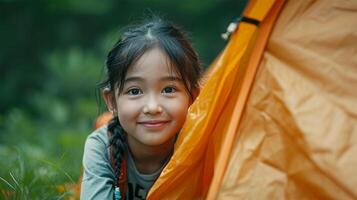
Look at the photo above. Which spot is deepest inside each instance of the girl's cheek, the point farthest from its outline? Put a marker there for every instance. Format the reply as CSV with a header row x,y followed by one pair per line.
x,y
128,108
180,107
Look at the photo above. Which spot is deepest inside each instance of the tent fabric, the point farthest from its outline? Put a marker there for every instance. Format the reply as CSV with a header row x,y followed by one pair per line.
x,y
298,135
246,75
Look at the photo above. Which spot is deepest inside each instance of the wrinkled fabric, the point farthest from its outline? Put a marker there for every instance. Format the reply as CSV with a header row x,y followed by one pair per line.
x,y
298,135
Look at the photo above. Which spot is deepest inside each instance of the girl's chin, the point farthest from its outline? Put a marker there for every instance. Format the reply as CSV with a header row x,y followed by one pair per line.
x,y
153,139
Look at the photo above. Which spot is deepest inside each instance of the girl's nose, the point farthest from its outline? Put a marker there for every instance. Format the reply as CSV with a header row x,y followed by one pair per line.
x,y
152,106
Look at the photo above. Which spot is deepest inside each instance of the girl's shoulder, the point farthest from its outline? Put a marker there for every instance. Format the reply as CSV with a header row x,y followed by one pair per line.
x,y
96,148
96,162
99,137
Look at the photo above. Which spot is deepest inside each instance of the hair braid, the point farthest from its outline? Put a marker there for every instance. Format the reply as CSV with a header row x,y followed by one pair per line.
x,y
116,142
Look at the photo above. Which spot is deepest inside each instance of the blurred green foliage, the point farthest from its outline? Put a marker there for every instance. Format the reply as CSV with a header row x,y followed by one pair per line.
x,y
51,58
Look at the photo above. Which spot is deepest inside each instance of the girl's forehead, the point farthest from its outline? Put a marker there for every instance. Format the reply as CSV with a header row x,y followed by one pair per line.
x,y
153,62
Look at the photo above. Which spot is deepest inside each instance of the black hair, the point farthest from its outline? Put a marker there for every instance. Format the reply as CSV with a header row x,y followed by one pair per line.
x,y
132,44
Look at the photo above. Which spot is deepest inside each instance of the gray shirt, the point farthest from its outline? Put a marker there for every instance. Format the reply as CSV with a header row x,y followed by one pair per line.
x,y
98,174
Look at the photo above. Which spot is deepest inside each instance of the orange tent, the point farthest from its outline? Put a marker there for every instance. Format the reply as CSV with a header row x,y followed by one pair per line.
x,y
277,115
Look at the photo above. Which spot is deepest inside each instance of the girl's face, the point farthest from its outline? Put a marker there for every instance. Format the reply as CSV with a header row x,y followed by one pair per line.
x,y
153,104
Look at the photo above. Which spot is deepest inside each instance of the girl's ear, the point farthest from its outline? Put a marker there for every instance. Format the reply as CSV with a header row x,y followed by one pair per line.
x,y
195,94
109,99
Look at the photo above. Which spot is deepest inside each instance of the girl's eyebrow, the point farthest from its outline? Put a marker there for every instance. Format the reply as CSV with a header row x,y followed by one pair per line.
x,y
171,78
134,79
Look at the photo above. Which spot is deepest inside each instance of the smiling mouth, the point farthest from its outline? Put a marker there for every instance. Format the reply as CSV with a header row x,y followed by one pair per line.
x,y
152,124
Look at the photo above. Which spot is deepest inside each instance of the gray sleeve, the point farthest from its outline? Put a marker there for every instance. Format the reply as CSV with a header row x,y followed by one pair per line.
x,y
98,174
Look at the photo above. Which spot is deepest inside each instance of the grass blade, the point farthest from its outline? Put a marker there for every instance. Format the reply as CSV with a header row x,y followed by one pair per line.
x,y
12,187
13,178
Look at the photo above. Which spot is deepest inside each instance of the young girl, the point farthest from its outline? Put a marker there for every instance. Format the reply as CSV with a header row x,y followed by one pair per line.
x,y
152,79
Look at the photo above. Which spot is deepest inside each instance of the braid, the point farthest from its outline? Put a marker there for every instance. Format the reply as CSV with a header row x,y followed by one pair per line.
x,y
116,141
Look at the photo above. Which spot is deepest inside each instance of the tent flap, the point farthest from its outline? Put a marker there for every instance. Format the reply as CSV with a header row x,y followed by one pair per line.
x,y
298,136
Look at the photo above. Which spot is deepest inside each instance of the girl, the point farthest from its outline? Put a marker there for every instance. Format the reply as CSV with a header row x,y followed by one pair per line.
x,y
152,79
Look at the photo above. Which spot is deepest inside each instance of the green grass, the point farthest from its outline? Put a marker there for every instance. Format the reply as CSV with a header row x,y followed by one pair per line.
x,y
40,161
29,175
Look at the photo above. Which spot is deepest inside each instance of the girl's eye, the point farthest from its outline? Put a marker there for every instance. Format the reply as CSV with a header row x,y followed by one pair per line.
x,y
169,89
134,91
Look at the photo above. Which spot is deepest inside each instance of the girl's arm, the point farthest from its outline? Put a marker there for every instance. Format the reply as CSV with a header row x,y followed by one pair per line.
x,y
98,174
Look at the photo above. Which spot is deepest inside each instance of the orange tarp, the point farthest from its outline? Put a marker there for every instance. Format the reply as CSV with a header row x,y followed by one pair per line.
x,y
298,135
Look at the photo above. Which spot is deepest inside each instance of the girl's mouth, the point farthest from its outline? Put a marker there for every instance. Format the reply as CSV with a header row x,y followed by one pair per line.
x,y
153,124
